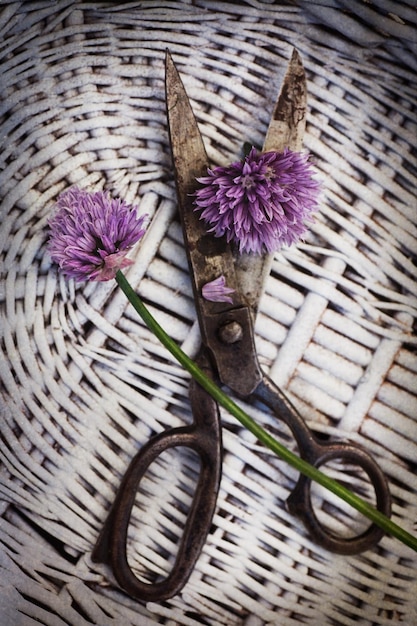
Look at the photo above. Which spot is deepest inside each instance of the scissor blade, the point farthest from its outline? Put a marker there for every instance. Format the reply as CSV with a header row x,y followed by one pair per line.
x,y
189,154
209,257
287,125
286,130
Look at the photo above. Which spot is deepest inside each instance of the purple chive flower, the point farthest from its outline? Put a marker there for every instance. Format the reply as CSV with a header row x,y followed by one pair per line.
x,y
91,234
260,203
217,291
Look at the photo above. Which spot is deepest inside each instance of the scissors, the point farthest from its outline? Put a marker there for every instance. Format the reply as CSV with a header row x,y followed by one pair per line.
x,y
228,355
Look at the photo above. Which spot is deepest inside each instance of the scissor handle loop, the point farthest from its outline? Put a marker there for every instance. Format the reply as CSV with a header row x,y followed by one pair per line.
x,y
318,453
111,547
299,502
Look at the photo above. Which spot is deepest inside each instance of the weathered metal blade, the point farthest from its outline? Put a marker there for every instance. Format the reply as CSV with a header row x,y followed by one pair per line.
x,y
226,328
286,129
287,125
208,256
188,151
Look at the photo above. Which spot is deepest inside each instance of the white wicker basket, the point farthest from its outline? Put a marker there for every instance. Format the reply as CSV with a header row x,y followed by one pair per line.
x,y
84,384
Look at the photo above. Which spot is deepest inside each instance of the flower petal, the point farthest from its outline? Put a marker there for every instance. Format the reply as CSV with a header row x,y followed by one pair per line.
x,y
217,291
91,234
262,202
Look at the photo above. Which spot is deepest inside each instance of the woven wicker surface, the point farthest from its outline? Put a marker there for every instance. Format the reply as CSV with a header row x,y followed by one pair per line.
x,y
84,384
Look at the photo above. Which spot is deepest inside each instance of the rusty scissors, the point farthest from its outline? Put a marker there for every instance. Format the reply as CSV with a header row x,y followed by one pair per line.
x,y
228,355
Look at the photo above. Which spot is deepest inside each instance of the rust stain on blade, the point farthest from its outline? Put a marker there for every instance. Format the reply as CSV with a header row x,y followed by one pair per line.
x,y
288,120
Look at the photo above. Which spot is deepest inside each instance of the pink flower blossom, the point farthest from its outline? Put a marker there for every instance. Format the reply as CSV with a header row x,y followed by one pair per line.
x,y
91,234
260,203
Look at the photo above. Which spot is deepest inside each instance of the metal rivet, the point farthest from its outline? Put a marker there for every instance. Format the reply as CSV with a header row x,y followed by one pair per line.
x,y
231,332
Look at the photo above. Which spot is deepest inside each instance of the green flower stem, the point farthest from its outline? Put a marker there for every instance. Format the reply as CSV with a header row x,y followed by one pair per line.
x,y
281,451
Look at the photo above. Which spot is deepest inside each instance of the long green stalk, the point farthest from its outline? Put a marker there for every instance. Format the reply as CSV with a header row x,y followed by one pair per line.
x,y
280,450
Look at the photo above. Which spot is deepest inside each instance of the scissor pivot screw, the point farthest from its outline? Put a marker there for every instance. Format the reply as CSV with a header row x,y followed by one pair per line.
x,y
231,332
